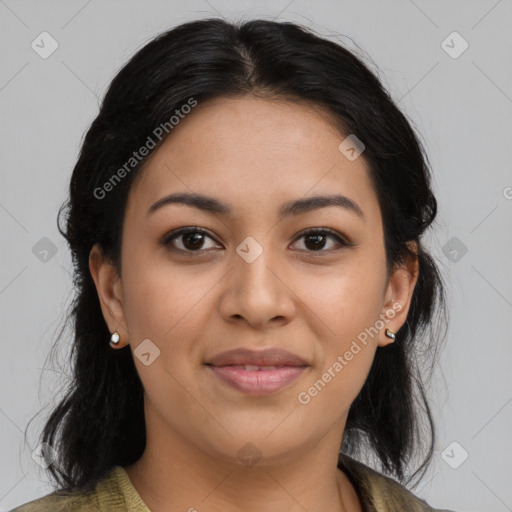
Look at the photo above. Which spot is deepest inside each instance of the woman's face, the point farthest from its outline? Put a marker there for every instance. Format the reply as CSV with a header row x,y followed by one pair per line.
x,y
252,280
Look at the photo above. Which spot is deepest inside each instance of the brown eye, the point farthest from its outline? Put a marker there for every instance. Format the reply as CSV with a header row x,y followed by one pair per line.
x,y
315,240
190,239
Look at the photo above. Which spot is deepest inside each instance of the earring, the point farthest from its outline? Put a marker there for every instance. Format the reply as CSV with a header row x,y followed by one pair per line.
x,y
390,334
114,339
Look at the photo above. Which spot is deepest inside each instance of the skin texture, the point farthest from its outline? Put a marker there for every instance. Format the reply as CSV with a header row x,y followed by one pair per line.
x,y
255,155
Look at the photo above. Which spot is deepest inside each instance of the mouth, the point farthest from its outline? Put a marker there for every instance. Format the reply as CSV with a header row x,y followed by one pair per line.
x,y
257,373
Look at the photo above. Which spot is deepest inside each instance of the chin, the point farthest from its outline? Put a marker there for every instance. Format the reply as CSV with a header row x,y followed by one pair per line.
x,y
248,449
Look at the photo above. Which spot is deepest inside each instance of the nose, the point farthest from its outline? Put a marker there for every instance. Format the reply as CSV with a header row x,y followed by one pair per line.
x,y
258,291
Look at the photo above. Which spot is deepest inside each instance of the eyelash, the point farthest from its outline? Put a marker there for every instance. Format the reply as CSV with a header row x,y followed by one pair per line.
x,y
169,237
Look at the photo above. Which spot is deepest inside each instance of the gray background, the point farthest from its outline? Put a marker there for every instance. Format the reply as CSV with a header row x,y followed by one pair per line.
x,y
461,107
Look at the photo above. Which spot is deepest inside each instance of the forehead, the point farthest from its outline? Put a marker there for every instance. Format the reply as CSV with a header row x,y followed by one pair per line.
x,y
250,150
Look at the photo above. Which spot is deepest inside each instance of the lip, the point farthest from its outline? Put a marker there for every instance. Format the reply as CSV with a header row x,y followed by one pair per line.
x,y
242,370
267,357
258,382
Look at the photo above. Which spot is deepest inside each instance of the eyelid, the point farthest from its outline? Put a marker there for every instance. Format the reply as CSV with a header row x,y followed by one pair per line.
x,y
175,233
336,234
342,239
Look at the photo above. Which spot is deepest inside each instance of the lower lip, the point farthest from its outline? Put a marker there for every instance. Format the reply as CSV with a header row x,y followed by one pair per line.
x,y
258,382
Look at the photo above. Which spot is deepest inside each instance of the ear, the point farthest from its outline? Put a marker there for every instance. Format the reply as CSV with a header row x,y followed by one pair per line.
x,y
398,295
110,293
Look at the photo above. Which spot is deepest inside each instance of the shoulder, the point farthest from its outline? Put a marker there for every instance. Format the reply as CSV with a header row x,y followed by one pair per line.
x,y
106,496
60,501
381,493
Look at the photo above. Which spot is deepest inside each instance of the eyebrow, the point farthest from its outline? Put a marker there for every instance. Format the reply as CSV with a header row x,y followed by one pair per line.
x,y
290,208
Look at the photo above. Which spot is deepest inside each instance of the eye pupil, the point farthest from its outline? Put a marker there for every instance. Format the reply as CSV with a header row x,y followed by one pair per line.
x,y
195,238
316,244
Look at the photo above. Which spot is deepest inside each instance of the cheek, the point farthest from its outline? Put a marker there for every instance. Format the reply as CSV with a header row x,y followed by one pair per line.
x,y
347,300
159,298
349,304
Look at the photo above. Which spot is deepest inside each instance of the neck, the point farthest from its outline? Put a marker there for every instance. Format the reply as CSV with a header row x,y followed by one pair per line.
x,y
178,475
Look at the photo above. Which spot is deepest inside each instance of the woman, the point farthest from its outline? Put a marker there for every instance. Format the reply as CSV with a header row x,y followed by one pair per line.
x,y
246,221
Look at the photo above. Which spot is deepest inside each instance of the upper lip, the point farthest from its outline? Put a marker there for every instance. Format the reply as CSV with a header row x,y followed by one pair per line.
x,y
268,357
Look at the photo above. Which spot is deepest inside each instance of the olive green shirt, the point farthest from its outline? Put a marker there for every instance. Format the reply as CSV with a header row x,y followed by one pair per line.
x,y
115,492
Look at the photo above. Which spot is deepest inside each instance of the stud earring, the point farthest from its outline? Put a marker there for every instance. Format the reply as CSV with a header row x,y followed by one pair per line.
x,y
114,339
390,334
